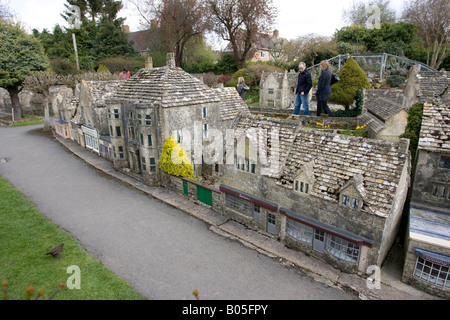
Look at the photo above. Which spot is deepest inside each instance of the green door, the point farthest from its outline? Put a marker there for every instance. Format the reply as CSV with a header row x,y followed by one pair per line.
x,y
204,195
185,188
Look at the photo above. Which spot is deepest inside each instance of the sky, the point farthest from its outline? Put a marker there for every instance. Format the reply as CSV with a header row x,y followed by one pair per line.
x,y
295,17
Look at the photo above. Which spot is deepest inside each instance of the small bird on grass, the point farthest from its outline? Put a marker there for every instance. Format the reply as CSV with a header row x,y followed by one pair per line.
x,y
56,251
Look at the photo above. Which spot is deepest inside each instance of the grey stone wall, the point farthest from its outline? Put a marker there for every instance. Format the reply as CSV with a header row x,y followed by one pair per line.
x,y
429,176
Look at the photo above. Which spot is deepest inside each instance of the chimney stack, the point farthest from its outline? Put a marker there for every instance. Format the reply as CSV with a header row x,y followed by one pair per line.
x,y
170,60
126,29
149,62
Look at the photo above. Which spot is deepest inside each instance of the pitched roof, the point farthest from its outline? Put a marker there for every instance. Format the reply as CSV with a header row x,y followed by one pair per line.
x,y
434,87
338,159
435,130
168,87
102,90
380,106
231,104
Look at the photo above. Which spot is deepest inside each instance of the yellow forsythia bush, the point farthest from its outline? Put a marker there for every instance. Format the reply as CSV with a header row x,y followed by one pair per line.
x,y
174,160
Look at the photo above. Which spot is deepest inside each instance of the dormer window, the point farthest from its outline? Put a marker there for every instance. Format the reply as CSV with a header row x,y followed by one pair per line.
x,y
352,193
350,199
301,186
304,179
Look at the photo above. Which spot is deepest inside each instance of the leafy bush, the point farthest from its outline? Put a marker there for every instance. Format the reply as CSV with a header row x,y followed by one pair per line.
x,y
353,112
412,129
102,68
117,64
352,79
395,81
174,160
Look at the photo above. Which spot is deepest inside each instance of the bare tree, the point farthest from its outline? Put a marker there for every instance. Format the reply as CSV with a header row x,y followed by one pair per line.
x,y
240,22
179,21
433,19
311,48
5,11
359,13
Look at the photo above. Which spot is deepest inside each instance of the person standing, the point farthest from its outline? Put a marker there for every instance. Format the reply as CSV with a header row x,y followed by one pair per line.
x,y
242,87
324,89
125,74
304,85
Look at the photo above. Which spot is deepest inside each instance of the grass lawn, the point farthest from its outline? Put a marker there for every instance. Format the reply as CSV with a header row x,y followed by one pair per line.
x,y
28,120
26,234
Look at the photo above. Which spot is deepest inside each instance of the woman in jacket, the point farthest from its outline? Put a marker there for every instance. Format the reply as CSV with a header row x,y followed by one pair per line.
x,y
242,87
324,89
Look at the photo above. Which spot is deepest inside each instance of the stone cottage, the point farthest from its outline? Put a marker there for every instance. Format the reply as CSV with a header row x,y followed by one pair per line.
x,y
277,90
336,197
427,260
384,114
427,86
164,102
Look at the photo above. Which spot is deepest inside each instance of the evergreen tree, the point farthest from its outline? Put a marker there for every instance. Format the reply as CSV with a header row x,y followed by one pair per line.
x,y
20,55
352,79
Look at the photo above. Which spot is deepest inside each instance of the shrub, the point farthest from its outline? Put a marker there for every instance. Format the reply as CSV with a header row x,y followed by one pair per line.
x,y
412,129
352,78
395,81
102,68
174,160
117,64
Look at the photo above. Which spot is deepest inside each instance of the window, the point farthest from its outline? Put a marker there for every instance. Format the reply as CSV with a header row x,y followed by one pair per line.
x,y
342,249
238,204
444,163
118,132
178,136
432,272
351,202
205,130
301,186
121,153
441,191
144,167
271,91
148,120
299,231
152,165
204,112
111,132
116,114
149,141
301,183
345,200
271,103
245,165
142,139
139,118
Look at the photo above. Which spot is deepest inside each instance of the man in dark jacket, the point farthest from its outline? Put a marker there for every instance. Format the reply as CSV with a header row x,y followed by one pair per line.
x,y
304,85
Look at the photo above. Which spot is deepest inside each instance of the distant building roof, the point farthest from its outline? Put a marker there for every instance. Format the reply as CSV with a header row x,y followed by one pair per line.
x,y
434,87
435,130
380,106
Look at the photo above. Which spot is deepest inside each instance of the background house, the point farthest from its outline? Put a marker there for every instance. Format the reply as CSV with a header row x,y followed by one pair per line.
x,y
427,260
384,114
